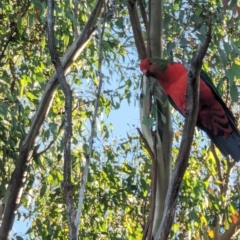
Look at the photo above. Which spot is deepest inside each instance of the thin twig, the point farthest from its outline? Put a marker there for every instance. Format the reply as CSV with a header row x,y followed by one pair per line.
x,y
66,185
93,123
51,142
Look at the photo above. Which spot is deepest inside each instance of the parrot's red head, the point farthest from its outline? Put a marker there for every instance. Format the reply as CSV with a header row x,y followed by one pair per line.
x,y
151,67
146,67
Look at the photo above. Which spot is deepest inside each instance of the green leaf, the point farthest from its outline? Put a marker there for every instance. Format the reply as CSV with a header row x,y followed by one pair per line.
x,y
19,238
66,38
170,46
234,93
149,122
196,19
31,96
232,4
223,56
43,190
235,69
30,21
235,48
53,127
227,47
163,118
176,6
39,225
175,227
230,76
4,108
19,22
183,41
39,77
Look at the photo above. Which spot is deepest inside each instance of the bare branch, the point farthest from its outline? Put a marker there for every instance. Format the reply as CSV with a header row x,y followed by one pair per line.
x,y
19,175
190,122
137,32
144,15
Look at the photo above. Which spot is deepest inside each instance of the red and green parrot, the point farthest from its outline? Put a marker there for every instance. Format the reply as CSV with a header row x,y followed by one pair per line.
x,y
214,117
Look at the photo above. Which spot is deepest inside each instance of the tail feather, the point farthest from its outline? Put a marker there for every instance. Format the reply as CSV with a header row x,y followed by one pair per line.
x,y
229,146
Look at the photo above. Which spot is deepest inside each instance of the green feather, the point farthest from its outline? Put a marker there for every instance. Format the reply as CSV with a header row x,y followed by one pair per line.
x,y
162,64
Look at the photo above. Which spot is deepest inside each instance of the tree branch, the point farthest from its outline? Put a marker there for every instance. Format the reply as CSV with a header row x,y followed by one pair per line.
x,y
144,15
231,231
190,122
164,128
19,175
155,31
66,185
148,228
153,190
137,32
76,16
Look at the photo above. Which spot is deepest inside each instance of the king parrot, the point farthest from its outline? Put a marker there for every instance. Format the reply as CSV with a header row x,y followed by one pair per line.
x,y
214,117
